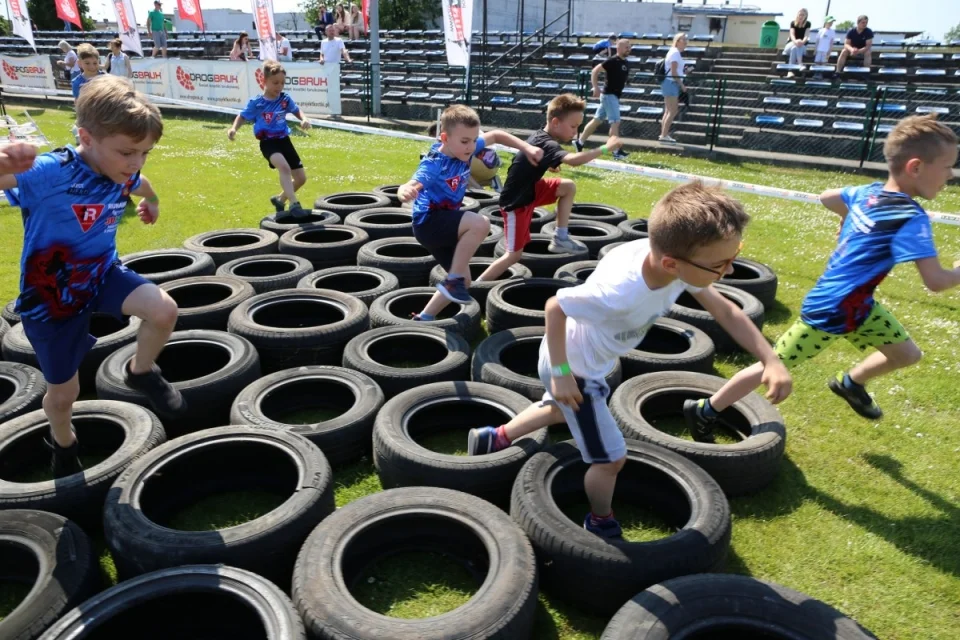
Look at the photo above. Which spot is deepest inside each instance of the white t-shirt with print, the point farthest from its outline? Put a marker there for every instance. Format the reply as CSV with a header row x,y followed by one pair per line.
x,y
332,50
612,311
672,56
825,41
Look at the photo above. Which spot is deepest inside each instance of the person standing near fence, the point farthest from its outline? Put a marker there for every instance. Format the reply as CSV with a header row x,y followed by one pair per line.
x,y
158,29
118,63
332,48
799,36
672,85
617,71
70,62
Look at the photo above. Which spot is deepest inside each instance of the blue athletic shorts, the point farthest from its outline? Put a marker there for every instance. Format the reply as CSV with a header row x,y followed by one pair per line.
x,y
439,233
670,88
62,345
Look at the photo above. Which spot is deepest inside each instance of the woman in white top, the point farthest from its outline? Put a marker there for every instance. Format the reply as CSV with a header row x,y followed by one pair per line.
x,y
354,20
241,48
672,86
284,50
118,63
799,36
70,61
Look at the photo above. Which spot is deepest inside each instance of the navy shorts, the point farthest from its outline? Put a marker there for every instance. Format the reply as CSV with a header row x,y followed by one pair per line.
x,y
61,345
439,233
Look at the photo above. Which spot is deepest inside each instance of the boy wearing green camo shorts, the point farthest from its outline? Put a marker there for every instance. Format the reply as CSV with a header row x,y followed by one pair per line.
x,y
882,226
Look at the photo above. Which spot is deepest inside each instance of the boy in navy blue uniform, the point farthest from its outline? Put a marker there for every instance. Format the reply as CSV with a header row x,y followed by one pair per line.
x,y
438,187
881,226
268,112
72,200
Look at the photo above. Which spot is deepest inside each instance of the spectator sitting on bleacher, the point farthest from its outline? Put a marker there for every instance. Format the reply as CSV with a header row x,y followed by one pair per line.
x,y
799,35
241,48
859,44
354,22
324,20
672,85
332,48
340,18
825,41
605,47
284,50
617,70
118,63
70,60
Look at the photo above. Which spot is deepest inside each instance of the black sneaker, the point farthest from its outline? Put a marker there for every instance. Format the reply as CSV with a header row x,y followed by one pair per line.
x,y
278,204
857,397
577,145
298,212
65,461
619,154
700,426
162,396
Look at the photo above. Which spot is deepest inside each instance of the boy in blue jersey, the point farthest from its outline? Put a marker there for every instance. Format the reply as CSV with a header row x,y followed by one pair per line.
x,y
89,67
882,226
268,112
72,200
437,189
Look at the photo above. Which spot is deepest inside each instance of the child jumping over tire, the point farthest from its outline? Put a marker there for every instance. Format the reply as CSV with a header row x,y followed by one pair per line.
x,y
881,226
268,112
437,188
72,200
695,235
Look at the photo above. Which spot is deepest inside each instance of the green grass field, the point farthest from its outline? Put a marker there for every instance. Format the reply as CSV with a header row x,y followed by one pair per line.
x,y
864,515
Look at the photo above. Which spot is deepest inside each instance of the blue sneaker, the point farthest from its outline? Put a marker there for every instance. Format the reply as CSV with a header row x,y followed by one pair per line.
x,y
454,290
482,441
608,528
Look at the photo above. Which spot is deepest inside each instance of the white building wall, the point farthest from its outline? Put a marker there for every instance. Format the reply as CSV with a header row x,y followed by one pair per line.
x,y
237,20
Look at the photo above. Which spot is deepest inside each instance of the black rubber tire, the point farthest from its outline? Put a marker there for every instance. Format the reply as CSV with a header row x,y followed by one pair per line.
x,y
386,222
111,336
140,510
390,191
305,327
22,388
458,526
634,229
346,202
489,244
479,264
670,345
484,197
536,257
405,258
209,368
9,314
541,216
597,212
393,310
503,302
225,245
324,245
687,309
740,469
508,359
4,329
595,235
694,605
577,272
314,216
268,272
755,278
598,575
469,204
176,603
205,302
401,461
54,557
365,283
607,249
162,265
354,396
445,357
119,431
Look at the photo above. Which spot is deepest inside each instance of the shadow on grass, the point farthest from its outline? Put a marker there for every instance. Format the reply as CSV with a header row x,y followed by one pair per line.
x,y
777,313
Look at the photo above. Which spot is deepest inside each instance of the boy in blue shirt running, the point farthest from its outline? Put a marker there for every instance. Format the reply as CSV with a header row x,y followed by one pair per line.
x,y
89,67
881,226
437,189
72,200
268,112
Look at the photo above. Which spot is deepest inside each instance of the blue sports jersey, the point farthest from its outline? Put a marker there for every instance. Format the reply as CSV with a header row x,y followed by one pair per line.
x,y
444,181
602,45
70,218
269,117
79,81
882,229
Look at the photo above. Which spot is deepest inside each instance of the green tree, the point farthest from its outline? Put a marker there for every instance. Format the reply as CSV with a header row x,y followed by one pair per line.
x,y
44,14
952,34
394,14
844,26
5,28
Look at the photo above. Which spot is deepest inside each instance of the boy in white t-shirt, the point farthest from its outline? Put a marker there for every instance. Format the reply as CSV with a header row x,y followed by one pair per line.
x,y
695,234
825,41
332,48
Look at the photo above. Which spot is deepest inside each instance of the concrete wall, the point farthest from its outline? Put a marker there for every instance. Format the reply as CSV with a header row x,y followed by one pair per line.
x,y
237,20
588,15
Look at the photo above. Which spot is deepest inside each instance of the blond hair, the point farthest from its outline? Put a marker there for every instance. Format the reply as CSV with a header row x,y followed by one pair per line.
x,y
692,216
563,104
273,68
678,36
109,106
920,137
796,18
458,114
87,50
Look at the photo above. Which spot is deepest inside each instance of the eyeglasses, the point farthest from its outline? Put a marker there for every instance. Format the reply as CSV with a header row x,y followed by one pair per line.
x,y
722,271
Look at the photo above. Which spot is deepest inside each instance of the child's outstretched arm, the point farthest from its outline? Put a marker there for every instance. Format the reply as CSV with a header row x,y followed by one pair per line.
x,y
833,200
15,158
534,154
409,191
237,123
775,378
935,277
149,208
576,159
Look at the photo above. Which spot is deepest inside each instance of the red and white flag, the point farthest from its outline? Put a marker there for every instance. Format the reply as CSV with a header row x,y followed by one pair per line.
x,y
68,12
20,18
190,10
365,9
266,32
127,26
458,25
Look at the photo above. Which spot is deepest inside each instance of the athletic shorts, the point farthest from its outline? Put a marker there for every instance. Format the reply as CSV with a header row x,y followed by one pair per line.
x,y
159,39
802,342
516,223
283,146
609,108
61,345
439,233
598,437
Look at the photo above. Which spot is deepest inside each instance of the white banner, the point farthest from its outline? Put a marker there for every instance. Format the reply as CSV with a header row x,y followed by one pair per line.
x,y
210,82
27,71
127,26
20,17
314,87
458,28
266,32
151,76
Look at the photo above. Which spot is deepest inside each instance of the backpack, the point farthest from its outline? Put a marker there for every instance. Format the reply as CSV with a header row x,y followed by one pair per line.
x,y
660,70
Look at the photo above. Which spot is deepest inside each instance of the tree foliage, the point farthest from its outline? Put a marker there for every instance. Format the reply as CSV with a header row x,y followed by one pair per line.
x,y
394,14
44,14
844,26
952,34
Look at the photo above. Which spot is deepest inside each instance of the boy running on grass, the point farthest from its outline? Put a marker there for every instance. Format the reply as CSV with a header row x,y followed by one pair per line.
x,y
452,236
268,112
89,68
72,200
695,234
881,226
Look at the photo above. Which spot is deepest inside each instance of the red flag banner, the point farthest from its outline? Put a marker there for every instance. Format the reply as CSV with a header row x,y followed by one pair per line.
x,y
366,16
68,12
190,10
